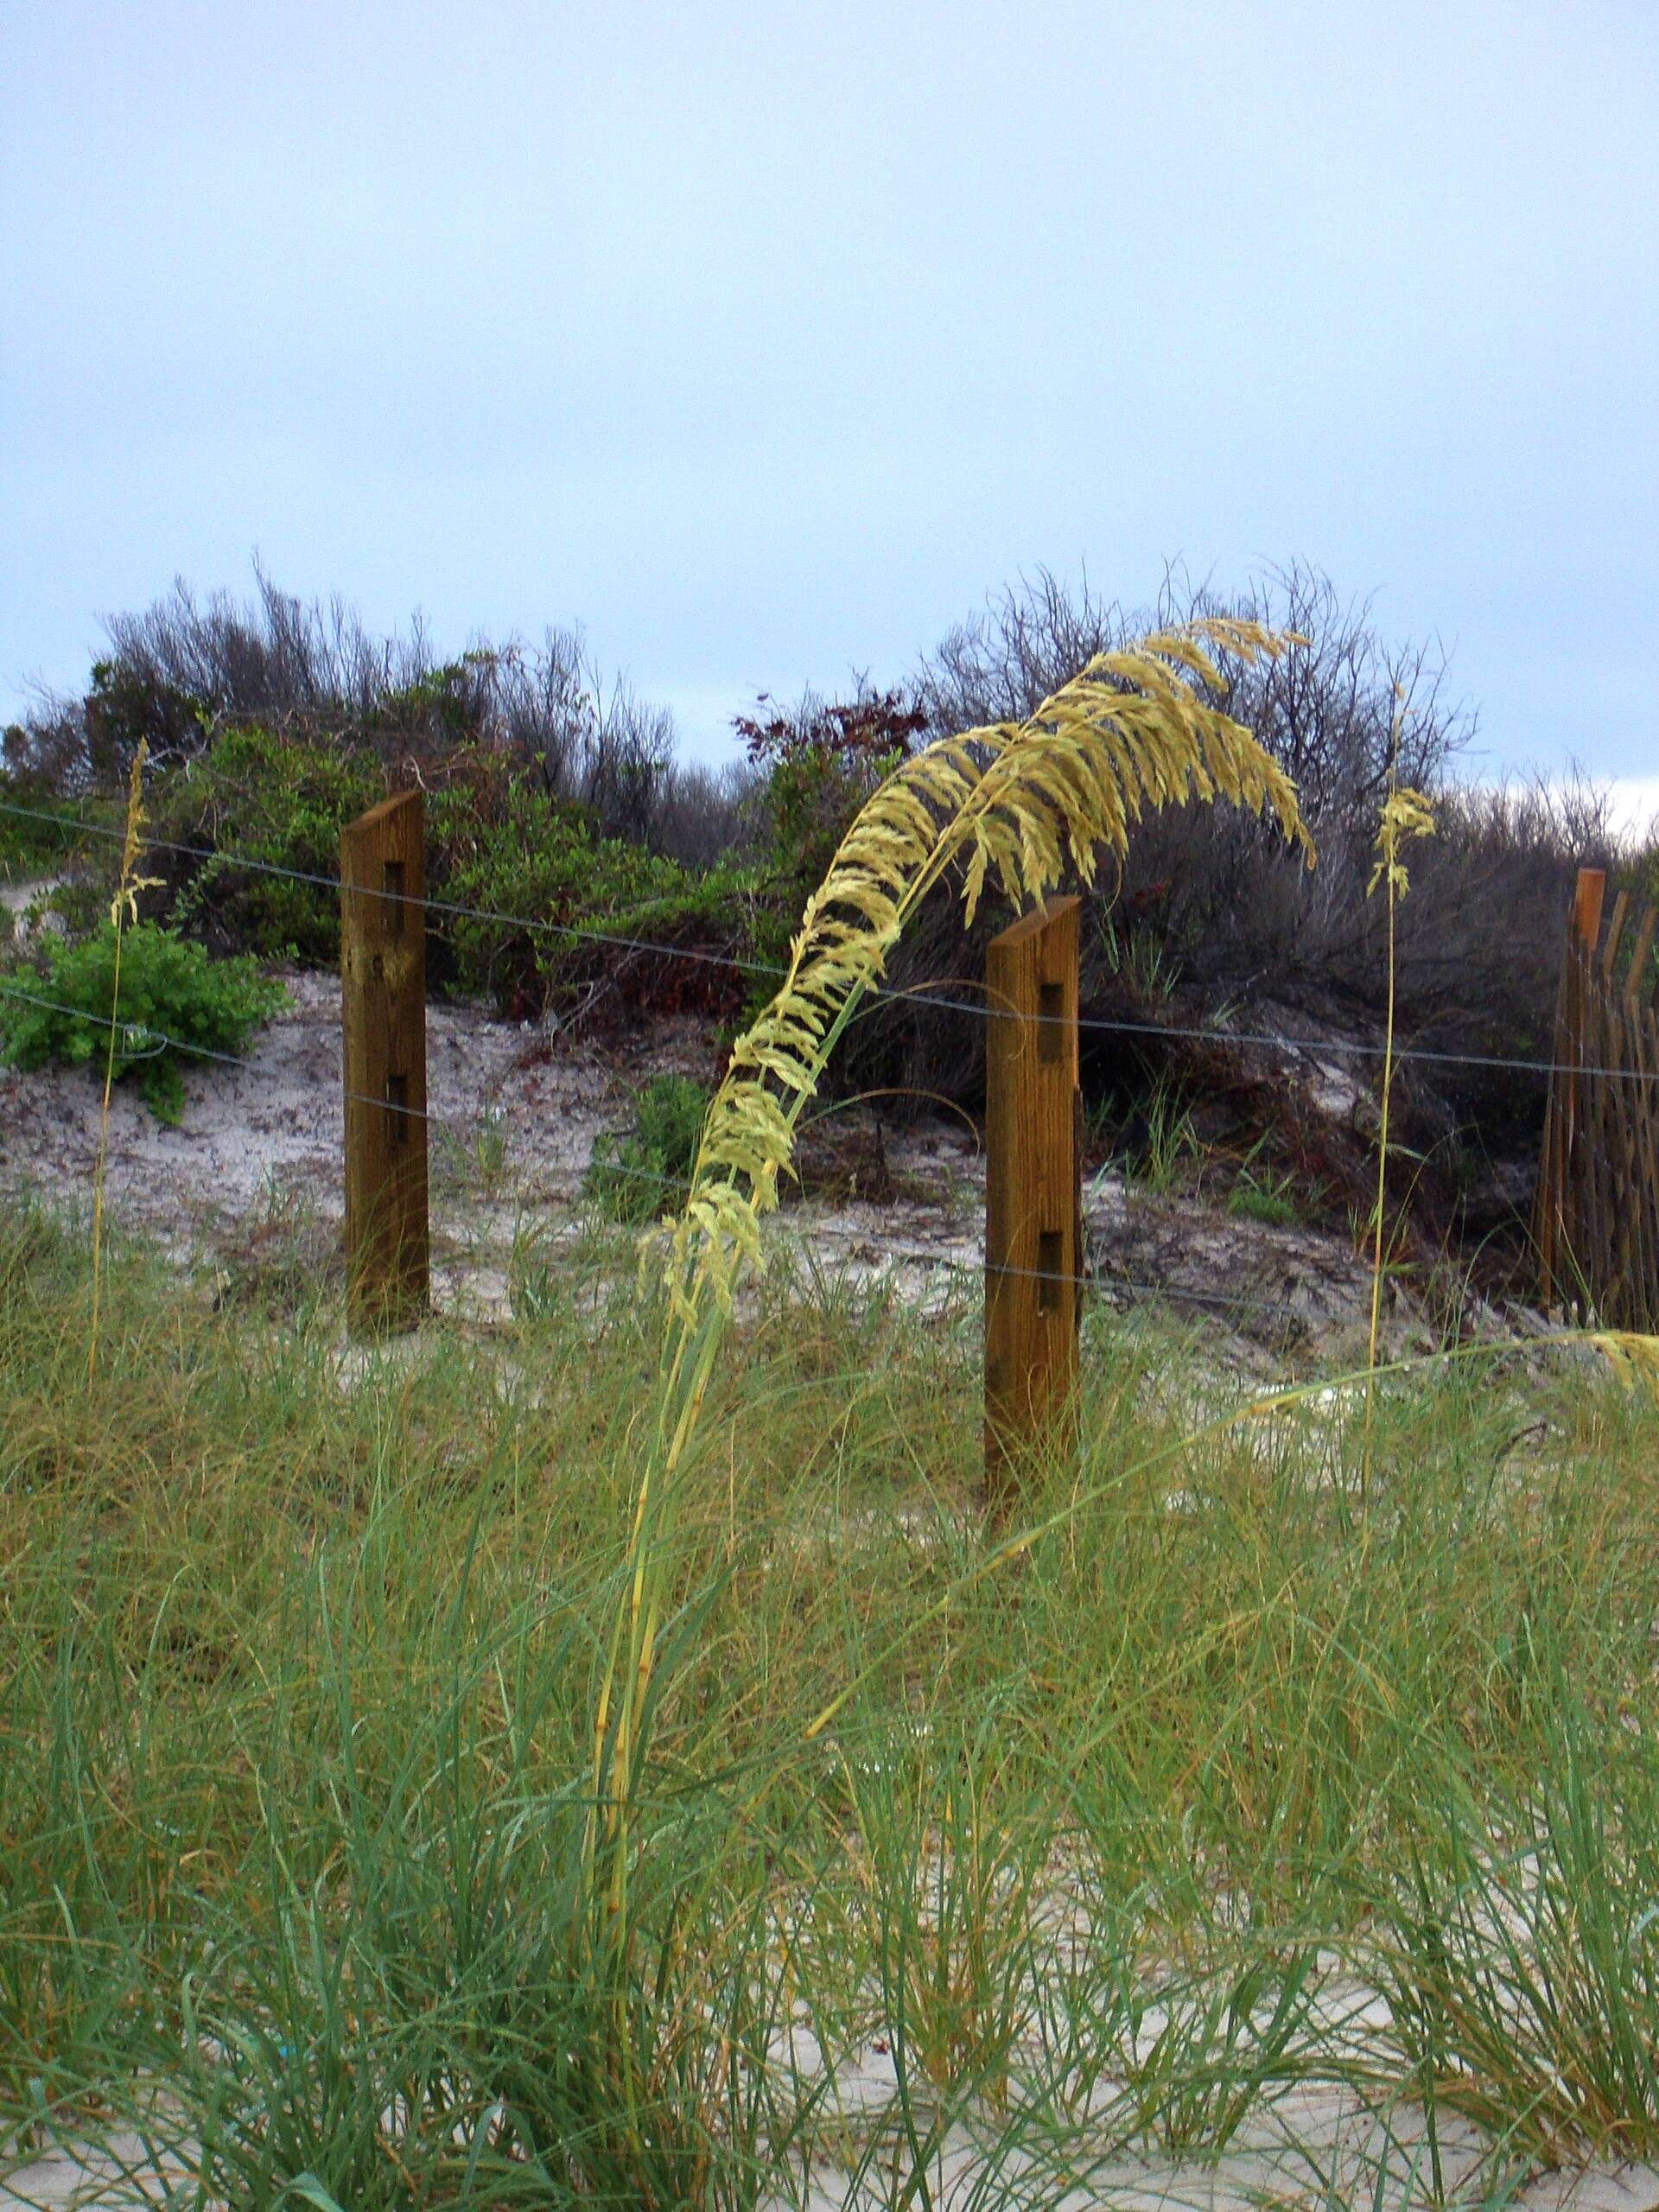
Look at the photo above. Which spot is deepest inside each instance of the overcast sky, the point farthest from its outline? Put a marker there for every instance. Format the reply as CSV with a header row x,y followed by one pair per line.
x,y
762,341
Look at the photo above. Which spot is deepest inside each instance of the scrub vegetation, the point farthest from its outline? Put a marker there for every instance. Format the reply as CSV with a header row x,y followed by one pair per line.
x,y
556,795
170,998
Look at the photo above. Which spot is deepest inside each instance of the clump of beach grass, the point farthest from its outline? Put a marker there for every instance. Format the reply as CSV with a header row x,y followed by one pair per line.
x,y
1118,1847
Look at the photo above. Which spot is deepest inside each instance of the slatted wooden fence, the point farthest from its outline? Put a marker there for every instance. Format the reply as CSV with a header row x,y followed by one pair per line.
x,y
1596,1219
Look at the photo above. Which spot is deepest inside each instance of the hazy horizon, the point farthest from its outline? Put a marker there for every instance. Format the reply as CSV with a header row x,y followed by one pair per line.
x,y
764,346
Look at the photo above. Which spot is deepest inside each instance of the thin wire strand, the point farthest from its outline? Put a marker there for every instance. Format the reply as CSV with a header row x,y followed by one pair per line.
x,y
918,993
1098,1279
402,898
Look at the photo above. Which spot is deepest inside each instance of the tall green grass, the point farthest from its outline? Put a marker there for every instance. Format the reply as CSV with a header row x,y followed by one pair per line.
x,y
1212,1794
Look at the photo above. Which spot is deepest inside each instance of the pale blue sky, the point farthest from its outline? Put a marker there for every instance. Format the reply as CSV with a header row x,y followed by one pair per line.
x,y
764,340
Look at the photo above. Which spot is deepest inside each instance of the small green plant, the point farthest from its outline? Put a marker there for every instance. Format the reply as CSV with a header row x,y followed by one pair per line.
x,y
171,994
1139,959
1265,1194
534,1289
1264,1199
642,1173
489,1145
1169,1139
476,1157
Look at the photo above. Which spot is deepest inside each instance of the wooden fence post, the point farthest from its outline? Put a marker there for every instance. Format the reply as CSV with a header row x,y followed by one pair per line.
x,y
383,1012
1033,1210
1564,1114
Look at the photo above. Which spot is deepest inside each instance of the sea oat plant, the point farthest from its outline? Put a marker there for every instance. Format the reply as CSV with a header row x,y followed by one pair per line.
x,y
123,909
1011,805
1405,815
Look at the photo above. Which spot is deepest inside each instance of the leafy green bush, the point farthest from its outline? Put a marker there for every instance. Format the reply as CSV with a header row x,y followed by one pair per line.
x,y
635,1177
279,800
497,841
500,844
173,994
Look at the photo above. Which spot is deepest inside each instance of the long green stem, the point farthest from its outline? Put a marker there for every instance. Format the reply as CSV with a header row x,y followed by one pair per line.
x,y
100,1168
1382,1191
1405,815
124,904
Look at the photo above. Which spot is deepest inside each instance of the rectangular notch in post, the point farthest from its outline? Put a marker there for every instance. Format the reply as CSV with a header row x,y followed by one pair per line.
x,y
398,1110
1051,1021
1051,1262
393,901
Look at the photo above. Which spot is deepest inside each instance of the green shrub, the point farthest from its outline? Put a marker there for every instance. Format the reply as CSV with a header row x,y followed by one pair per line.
x,y
127,707
79,901
635,1177
169,989
497,840
499,844
279,800
822,762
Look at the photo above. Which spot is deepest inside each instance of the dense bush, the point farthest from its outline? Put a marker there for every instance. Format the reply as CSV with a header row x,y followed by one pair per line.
x,y
281,801
182,669
172,995
33,841
552,896
1216,908
817,765
514,853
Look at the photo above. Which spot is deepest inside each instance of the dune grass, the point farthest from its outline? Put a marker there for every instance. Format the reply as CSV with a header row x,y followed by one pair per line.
x,y
1216,1791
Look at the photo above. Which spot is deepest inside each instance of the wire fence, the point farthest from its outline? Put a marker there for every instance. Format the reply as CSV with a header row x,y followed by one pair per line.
x,y
139,1038
1327,1048
1100,1279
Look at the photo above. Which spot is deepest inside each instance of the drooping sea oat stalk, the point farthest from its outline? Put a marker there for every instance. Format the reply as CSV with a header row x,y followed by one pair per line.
x,y
1015,805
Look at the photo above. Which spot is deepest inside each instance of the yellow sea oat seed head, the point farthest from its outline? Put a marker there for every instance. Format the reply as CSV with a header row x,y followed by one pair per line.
x,y
1406,813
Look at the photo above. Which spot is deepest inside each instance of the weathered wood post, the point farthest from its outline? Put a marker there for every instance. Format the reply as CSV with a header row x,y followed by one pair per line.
x,y
1033,1208
1554,1222
383,1011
